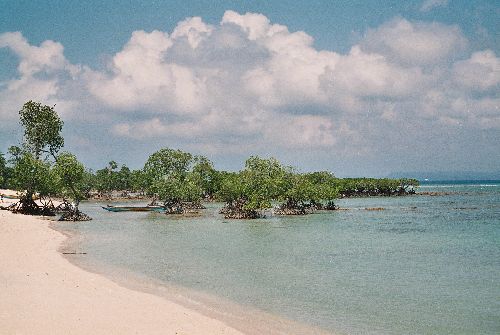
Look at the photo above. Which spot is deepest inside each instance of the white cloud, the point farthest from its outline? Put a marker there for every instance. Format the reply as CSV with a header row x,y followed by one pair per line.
x,y
370,74
428,5
140,77
415,43
41,71
480,72
193,29
254,25
47,57
251,83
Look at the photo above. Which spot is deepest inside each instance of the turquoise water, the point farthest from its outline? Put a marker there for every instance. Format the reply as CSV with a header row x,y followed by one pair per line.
x,y
423,265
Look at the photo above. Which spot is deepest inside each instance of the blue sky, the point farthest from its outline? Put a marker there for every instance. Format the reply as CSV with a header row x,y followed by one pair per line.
x,y
355,87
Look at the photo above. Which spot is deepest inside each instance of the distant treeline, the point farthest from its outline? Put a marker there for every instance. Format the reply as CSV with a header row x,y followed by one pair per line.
x,y
178,180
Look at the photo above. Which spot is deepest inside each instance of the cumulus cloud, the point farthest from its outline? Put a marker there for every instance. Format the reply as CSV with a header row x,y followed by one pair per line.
x,y
254,83
415,43
371,74
47,57
140,77
41,72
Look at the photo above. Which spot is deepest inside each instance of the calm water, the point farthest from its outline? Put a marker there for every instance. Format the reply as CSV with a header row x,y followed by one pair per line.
x,y
423,265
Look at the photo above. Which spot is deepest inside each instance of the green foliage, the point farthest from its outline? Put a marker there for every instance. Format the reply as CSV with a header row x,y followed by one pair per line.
x,y
297,189
350,187
138,181
124,178
32,172
111,179
323,185
173,189
88,183
42,129
232,187
263,181
166,162
33,176
208,178
70,175
3,171
169,176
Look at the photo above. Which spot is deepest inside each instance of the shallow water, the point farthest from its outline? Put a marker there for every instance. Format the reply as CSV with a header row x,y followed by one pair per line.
x,y
422,265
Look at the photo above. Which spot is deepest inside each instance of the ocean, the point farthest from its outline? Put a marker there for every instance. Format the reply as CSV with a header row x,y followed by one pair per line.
x,y
422,264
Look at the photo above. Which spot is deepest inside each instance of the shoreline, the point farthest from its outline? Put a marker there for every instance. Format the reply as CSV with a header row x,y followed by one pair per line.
x,y
41,292
246,319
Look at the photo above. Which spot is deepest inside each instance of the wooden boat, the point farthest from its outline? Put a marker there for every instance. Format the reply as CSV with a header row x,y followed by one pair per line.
x,y
6,196
134,208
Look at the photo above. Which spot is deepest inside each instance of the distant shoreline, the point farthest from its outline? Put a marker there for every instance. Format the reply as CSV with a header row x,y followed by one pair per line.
x,y
459,181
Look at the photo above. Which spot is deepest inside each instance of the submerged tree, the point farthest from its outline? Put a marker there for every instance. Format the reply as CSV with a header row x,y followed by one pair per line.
x,y
325,189
252,190
169,178
70,175
297,194
304,193
234,193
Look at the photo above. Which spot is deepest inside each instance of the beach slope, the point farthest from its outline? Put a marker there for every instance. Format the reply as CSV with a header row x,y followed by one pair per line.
x,y
43,293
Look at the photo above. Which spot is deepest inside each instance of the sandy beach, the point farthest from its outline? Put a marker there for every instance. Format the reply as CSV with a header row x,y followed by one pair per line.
x,y
43,293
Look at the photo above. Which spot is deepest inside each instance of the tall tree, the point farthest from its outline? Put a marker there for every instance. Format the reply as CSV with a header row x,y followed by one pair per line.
x,y
42,139
42,129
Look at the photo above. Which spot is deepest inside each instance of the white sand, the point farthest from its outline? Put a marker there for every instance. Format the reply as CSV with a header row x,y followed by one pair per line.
x,y
43,293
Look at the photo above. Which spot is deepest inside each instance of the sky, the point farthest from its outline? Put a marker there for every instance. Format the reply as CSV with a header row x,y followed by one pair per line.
x,y
360,88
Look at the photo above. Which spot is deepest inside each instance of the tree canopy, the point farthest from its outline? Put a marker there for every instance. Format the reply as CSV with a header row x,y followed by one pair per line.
x,y
169,176
42,129
70,175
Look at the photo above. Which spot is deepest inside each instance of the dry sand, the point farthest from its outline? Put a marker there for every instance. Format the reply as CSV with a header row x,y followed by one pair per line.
x,y
43,293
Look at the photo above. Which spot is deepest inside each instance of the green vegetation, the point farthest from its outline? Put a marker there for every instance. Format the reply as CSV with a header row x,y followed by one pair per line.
x,y
70,178
42,129
253,189
171,178
362,187
32,172
5,172
38,170
177,179
31,176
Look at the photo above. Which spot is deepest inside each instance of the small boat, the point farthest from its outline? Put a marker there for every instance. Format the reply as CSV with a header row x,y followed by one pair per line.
x,y
6,196
134,208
